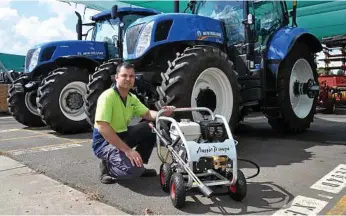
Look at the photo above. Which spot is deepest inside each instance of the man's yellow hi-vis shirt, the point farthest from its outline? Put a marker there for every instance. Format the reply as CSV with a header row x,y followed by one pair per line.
x,y
112,109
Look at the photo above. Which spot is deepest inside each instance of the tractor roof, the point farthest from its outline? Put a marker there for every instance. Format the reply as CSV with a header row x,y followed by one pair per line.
x,y
124,10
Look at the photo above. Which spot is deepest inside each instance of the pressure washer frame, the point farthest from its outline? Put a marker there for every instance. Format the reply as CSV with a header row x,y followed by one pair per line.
x,y
193,180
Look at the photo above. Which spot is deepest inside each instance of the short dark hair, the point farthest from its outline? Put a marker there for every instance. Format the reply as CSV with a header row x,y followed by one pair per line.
x,y
125,65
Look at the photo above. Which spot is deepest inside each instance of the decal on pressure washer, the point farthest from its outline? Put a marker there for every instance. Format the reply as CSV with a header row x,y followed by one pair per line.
x,y
208,34
212,149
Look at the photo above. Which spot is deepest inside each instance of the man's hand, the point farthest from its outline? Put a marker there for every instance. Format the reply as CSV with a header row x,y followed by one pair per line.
x,y
134,157
169,110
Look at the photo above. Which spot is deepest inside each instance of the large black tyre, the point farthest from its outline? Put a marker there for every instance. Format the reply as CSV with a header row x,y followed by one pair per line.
x,y
22,105
288,120
4,77
99,82
179,80
54,110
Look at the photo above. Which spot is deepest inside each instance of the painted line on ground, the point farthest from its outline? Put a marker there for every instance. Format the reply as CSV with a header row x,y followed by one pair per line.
x,y
6,117
46,148
10,130
39,134
18,138
302,205
48,135
325,196
337,142
332,118
339,208
333,182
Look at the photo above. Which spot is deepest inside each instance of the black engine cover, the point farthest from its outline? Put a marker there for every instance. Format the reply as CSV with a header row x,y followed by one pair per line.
x,y
212,130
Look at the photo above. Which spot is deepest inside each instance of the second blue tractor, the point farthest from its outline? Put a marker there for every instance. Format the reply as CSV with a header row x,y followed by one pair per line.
x,y
52,88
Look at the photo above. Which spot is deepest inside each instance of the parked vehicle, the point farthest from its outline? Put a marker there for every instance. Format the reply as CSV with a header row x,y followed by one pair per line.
x,y
51,91
229,56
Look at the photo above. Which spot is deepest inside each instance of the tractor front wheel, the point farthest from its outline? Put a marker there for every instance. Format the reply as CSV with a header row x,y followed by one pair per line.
x,y
202,76
22,105
60,100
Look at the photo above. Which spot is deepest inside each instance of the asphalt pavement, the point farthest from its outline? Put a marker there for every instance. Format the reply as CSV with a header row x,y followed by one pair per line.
x,y
300,174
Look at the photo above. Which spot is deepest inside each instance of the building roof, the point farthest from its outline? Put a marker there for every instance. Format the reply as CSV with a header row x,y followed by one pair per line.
x,y
12,62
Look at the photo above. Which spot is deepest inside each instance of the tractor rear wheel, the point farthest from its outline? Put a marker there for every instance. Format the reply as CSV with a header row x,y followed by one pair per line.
x,y
296,110
60,100
202,76
22,105
98,82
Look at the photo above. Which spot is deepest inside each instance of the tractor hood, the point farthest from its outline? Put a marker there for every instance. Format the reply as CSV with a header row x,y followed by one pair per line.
x,y
48,52
152,31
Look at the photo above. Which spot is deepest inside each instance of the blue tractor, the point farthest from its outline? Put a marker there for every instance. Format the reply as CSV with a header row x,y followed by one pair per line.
x,y
232,57
52,88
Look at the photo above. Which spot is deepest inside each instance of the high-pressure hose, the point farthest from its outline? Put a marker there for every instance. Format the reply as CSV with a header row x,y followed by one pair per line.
x,y
253,163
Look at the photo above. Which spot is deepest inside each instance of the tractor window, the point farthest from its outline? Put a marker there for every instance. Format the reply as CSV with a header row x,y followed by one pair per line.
x,y
107,31
230,12
269,16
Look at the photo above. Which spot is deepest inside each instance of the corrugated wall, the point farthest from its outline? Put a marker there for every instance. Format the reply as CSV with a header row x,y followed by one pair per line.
x,y
12,62
322,18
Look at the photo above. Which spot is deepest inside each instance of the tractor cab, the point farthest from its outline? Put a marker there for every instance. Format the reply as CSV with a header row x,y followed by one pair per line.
x,y
248,29
246,21
109,26
231,13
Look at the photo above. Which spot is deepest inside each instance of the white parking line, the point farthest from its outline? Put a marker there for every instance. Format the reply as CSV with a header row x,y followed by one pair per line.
x,y
333,182
302,205
9,130
47,148
325,196
6,117
43,148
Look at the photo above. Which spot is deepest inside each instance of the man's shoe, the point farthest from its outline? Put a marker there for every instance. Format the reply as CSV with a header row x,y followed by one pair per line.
x,y
149,173
105,177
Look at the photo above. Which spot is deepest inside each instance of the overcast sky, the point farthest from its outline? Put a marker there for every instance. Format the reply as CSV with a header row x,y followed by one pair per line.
x,y
25,23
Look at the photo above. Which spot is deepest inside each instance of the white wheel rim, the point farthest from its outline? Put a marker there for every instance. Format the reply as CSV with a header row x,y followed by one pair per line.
x,y
31,107
217,81
73,114
301,104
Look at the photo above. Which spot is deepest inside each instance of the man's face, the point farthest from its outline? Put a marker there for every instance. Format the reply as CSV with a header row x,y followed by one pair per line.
x,y
125,78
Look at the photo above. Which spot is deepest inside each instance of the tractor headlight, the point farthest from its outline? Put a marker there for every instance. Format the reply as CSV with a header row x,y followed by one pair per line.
x,y
144,39
34,59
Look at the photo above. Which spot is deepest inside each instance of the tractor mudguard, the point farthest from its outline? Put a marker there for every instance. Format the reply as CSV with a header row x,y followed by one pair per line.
x,y
79,61
170,28
282,43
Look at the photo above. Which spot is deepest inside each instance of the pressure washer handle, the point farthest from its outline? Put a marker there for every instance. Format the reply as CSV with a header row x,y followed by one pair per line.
x,y
165,142
188,109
